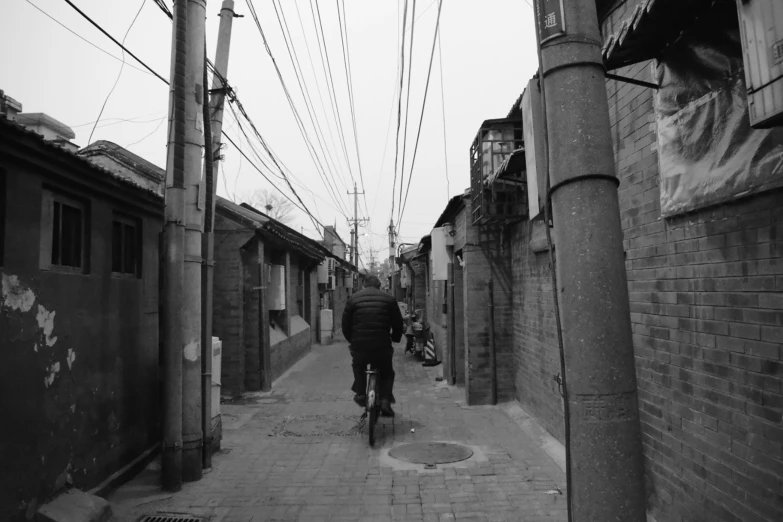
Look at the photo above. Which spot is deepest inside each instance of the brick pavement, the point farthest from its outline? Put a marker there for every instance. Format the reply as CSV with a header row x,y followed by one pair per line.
x,y
267,471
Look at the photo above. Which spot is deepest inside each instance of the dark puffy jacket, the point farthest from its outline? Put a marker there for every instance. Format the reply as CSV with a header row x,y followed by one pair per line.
x,y
372,320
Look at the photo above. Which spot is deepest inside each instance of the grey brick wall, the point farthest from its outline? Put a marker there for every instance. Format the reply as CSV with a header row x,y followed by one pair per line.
x,y
707,321
228,303
536,354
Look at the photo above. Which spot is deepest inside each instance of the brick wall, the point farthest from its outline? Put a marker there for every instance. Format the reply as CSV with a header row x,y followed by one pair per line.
x,y
251,280
459,323
707,318
536,353
339,299
486,254
228,301
287,352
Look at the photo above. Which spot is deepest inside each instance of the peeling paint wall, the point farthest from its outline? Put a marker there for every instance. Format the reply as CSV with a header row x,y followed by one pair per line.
x,y
79,358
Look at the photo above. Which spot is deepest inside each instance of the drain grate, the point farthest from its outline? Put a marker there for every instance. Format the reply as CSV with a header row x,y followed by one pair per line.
x,y
171,518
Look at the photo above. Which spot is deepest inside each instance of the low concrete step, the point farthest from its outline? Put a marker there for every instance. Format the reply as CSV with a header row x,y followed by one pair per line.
x,y
76,506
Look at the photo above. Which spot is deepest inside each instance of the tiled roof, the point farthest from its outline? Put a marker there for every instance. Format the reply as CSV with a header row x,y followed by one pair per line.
x,y
23,133
267,225
126,157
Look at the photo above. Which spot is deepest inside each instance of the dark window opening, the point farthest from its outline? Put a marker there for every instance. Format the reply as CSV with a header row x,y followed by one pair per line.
x,y
126,246
63,232
3,192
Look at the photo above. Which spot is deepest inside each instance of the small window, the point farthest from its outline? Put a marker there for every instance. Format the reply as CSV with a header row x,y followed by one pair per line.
x,y
126,246
63,232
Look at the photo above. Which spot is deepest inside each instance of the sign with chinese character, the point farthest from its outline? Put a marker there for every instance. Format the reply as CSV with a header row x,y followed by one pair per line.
x,y
551,22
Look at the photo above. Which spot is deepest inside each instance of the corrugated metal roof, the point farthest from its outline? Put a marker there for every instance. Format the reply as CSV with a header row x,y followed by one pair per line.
x,y
23,133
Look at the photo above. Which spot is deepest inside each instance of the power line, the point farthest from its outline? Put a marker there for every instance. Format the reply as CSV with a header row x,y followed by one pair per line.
x,y
421,119
107,53
232,97
407,107
443,113
315,221
298,119
119,75
399,102
269,152
331,82
349,80
305,94
101,29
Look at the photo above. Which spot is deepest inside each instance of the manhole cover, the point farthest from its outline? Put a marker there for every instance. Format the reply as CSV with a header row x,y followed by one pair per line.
x,y
318,426
431,452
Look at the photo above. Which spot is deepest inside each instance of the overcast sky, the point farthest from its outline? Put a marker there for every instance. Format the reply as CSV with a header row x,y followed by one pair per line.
x,y
488,49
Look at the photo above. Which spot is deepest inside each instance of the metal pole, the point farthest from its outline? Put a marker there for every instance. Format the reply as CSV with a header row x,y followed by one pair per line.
x,y
206,289
606,451
211,163
492,355
174,233
192,436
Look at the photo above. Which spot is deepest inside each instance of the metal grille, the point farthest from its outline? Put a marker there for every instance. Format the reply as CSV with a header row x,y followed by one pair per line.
x,y
493,199
171,518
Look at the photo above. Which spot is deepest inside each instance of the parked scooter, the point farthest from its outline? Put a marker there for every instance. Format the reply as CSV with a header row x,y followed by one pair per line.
x,y
417,333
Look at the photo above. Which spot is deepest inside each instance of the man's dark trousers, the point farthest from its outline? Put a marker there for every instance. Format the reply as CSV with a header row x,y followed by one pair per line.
x,y
383,363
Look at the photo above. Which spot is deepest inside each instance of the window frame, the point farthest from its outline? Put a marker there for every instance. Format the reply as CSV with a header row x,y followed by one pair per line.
x,y
126,220
49,197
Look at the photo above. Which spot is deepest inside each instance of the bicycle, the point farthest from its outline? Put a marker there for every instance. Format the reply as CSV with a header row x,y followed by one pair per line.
x,y
373,407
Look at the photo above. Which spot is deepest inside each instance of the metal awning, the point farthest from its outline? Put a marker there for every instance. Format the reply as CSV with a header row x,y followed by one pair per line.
x,y
653,27
514,164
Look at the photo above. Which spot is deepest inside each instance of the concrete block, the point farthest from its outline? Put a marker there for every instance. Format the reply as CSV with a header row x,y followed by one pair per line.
x,y
76,506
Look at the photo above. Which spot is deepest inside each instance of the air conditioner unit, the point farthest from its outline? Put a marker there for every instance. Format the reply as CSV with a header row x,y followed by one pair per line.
x,y
323,272
276,288
332,284
440,253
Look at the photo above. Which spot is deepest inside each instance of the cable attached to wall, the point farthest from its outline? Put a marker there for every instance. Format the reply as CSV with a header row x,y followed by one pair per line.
x,y
547,217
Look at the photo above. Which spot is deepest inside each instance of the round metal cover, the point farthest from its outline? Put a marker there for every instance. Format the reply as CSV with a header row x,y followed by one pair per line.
x,y
431,452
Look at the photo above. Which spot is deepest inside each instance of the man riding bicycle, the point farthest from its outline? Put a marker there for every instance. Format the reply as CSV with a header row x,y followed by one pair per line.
x,y
371,321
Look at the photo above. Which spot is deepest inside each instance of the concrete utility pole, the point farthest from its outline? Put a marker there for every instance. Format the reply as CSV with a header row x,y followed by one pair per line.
x,y
174,239
216,100
606,449
190,307
391,256
355,236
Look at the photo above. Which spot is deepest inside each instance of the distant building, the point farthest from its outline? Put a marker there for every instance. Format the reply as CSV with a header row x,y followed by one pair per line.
x,y
266,296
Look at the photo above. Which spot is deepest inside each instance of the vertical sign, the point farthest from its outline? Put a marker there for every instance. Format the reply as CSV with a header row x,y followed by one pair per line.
x,y
551,22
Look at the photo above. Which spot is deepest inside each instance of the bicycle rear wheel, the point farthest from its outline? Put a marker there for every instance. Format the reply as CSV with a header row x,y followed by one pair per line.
x,y
372,407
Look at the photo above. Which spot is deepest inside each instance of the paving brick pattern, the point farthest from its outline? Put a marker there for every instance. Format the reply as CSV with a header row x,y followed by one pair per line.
x,y
263,475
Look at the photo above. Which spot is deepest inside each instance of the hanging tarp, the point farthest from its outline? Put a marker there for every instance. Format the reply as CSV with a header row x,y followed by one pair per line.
x,y
707,151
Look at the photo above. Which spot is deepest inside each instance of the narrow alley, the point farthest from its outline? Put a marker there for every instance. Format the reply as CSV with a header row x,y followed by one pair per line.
x,y
299,453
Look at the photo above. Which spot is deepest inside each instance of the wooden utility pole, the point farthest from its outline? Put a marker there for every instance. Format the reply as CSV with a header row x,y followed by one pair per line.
x,y
607,475
216,100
